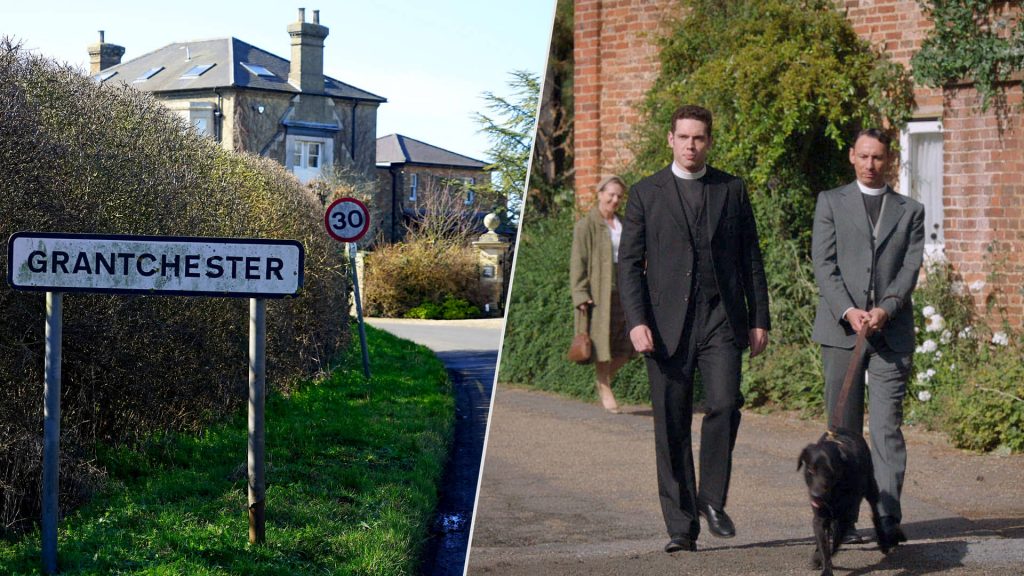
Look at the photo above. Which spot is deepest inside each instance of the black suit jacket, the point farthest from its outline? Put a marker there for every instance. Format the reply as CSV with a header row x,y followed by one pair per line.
x,y
656,259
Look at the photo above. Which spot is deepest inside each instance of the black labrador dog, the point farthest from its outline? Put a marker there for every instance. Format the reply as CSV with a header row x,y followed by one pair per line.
x,y
839,473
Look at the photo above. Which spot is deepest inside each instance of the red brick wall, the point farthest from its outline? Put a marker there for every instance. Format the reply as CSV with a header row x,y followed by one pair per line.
x,y
984,199
616,62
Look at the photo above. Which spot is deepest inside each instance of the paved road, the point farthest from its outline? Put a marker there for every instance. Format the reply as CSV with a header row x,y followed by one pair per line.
x,y
570,489
469,349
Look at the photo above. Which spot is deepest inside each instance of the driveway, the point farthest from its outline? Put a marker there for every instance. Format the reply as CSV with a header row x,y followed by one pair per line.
x,y
570,489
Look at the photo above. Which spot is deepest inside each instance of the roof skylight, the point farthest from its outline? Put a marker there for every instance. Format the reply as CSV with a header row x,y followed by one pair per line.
x,y
196,71
149,74
258,70
104,76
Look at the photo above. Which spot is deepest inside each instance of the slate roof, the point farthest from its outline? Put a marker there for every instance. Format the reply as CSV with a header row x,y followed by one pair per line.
x,y
398,149
227,56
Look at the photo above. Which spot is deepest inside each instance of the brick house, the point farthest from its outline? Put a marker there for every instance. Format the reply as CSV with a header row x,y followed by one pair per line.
x,y
409,171
954,158
253,101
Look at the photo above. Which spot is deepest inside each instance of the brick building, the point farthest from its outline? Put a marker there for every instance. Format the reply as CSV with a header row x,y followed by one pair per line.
x,y
251,100
409,171
954,158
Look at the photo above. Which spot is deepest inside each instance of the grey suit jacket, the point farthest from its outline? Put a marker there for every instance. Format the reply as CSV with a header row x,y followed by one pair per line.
x,y
656,260
843,264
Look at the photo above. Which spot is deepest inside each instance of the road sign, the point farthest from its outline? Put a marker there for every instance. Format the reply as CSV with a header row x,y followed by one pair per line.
x,y
240,267
347,219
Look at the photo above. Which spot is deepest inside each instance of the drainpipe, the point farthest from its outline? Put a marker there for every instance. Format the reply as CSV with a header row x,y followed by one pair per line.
x,y
352,129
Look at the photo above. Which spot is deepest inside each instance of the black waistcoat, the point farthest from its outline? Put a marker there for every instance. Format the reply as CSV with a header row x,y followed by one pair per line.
x,y
692,193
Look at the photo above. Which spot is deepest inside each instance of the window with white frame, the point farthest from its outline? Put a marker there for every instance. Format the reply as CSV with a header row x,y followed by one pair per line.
x,y
414,184
306,154
470,192
921,173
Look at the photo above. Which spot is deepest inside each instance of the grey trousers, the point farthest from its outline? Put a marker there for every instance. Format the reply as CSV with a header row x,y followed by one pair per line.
x,y
887,372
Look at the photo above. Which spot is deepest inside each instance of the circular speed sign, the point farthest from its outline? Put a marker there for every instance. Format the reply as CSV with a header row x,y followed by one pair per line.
x,y
347,219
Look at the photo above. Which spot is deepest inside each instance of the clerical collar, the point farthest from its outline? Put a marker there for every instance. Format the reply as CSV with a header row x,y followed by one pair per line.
x,y
680,172
871,191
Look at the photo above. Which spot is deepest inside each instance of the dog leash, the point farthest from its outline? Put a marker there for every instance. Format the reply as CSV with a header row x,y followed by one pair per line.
x,y
851,372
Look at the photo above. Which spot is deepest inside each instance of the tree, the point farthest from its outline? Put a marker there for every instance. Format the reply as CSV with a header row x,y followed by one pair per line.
x,y
552,175
510,131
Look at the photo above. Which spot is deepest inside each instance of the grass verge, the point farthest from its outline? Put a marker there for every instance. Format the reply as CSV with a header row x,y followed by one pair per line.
x,y
352,474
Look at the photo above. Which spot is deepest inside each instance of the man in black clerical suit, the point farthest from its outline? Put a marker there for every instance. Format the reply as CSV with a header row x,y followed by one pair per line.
x,y
693,288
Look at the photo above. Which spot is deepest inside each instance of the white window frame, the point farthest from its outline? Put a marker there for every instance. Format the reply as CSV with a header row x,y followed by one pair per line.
x,y
414,184
297,156
470,193
932,248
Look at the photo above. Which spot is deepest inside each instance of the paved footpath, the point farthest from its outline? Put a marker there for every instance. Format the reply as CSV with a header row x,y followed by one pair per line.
x,y
570,489
469,349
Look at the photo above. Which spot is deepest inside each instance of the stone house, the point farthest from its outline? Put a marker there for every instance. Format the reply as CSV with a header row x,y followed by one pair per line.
x,y
253,101
409,172
960,162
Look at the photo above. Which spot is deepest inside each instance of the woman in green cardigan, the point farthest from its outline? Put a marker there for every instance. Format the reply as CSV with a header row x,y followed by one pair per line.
x,y
595,247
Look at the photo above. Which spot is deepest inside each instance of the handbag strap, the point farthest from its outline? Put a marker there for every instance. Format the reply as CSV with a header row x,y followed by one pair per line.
x,y
851,371
585,315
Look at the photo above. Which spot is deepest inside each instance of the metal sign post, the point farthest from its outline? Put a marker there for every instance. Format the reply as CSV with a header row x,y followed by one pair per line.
x,y
51,431
236,267
257,401
347,220
353,249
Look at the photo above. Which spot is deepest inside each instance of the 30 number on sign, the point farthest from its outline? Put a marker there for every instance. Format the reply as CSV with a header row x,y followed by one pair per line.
x,y
347,219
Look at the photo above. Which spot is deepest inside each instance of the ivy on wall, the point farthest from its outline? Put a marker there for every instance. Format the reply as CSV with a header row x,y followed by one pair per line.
x,y
977,40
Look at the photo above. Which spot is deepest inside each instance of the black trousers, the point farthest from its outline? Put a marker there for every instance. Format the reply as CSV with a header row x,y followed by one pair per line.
x,y
708,345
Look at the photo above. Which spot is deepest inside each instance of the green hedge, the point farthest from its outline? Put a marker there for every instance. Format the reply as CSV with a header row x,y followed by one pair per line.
x,y
80,157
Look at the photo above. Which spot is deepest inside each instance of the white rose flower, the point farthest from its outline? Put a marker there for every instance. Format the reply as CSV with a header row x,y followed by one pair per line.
x,y
946,337
928,311
1000,338
965,333
934,323
977,286
938,354
923,377
924,395
928,346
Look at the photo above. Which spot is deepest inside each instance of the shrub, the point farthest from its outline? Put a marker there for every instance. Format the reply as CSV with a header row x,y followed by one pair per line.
x,y
968,378
79,157
400,277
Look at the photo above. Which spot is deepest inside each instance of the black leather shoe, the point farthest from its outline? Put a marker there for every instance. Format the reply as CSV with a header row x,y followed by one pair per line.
x,y
851,536
680,543
890,533
718,521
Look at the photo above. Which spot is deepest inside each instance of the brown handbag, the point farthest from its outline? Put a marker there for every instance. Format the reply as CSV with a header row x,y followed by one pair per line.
x,y
581,351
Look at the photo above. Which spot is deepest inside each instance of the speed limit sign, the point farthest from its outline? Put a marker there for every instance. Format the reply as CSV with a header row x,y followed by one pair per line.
x,y
347,219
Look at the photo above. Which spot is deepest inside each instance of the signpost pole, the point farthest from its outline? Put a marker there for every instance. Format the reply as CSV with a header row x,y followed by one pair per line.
x,y
51,430
352,250
257,398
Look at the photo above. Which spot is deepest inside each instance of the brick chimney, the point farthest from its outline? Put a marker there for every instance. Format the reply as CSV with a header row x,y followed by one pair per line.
x,y
307,67
104,55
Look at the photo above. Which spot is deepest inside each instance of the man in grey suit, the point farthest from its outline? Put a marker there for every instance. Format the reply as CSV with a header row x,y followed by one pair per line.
x,y
693,289
867,248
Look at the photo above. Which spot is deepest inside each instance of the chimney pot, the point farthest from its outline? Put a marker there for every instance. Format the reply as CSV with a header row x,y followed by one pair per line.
x,y
103,55
316,16
302,14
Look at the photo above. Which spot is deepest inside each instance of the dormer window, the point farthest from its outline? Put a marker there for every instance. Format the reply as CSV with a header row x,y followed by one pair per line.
x,y
149,74
196,71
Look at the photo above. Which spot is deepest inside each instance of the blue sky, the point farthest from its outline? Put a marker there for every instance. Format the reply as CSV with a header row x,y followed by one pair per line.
x,y
432,60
